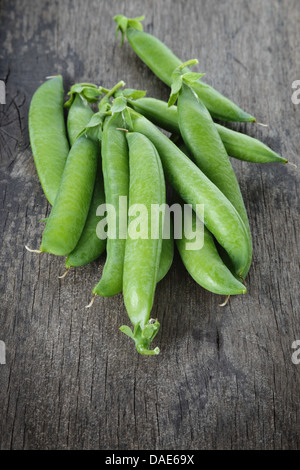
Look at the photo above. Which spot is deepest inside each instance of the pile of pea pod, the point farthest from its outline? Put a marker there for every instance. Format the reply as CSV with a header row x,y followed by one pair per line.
x,y
119,148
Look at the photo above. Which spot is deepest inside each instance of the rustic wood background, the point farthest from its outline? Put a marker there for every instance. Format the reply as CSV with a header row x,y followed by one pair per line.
x,y
225,378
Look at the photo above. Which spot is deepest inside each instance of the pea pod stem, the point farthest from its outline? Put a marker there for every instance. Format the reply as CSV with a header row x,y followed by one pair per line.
x,y
32,251
223,304
143,337
88,93
91,301
110,92
188,63
65,273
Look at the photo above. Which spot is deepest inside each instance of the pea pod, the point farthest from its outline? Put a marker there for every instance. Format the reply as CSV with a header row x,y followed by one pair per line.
x,y
161,60
167,247
90,245
68,215
111,280
47,134
237,144
204,143
221,218
165,262
166,257
142,255
79,115
205,264
116,184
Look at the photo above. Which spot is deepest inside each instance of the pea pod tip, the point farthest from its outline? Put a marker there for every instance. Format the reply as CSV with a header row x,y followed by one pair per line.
x,y
91,302
65,273
32,251
223,304
290,163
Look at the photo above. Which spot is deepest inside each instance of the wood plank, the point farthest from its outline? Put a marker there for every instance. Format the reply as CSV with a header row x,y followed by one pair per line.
x,y
224,378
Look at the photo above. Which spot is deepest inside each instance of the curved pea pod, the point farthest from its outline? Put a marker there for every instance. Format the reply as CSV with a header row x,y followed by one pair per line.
x,y
246,148
204,143
79,115
47,133
237,144
204,263
143,249
162,61
221,218
91,243
165,262
115,168
68,215
166,257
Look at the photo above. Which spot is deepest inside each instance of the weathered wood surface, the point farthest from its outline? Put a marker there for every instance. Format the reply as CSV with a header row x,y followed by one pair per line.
x,y
224,378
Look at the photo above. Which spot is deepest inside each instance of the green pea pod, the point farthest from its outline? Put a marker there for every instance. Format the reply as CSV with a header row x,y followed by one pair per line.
x,y
158,112
79,115
115,167
204,143
166,257
47,133
142,255
165,263
246,148
204,264
167,249
220,217
68,215
91,244
237,145
177,139
161,60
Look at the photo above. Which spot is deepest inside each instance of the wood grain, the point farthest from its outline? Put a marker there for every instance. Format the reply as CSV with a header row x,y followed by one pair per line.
x,y
224,378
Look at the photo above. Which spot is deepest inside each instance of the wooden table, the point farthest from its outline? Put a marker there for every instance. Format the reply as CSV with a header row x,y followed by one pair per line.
x,y
225,378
